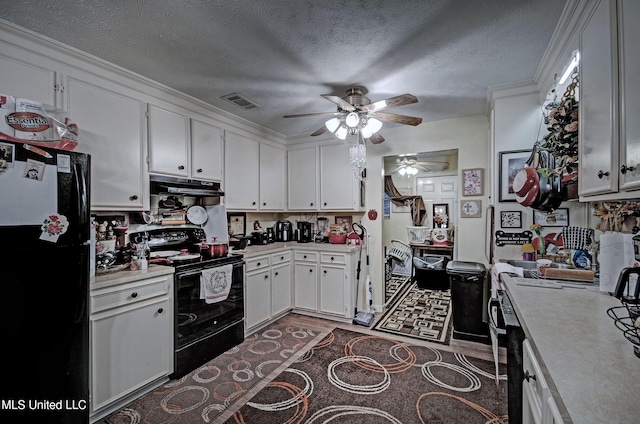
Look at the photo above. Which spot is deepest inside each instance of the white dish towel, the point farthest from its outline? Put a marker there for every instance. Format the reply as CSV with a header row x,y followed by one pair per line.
x,y
215,283
495,275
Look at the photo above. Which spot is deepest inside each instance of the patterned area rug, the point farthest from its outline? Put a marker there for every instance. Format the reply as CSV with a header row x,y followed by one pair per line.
x,y
394,286
203,394
349,377
419,313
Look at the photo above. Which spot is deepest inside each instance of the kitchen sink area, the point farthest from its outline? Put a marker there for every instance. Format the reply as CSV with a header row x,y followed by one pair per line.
x,y
573,276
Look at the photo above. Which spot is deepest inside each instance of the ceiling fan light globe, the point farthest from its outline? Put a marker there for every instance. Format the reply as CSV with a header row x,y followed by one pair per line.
x,y
402,171
412,171
332,124
373,125
352,120
341,133
366,133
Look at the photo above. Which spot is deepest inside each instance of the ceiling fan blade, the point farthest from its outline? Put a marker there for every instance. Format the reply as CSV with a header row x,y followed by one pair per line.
x,y
340,102
398,119
311,114
376,138
320,131
396,169
422,168
434,166
401,100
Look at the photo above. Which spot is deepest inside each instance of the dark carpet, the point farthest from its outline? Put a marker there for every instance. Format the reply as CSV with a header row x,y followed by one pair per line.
x,y
349,377
203,394
422,314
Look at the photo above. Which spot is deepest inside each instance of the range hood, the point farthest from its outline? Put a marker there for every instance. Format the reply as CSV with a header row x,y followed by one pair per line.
x,y
164,186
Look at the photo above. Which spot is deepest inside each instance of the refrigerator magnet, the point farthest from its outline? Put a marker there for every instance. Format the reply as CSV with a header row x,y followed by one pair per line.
x,y
34,170
53,227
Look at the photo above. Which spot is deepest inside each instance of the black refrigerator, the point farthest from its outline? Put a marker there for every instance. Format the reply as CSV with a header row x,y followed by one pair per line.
x,y
44,274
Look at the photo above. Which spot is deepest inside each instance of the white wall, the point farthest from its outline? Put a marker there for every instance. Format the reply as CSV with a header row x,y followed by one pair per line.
x,y
470,136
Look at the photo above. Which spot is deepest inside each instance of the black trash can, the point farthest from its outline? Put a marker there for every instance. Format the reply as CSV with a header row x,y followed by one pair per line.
x,y
469,300
430,272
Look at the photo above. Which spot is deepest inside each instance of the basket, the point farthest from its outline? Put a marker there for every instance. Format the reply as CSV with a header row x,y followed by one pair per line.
x,y
417,234
626,318
399,251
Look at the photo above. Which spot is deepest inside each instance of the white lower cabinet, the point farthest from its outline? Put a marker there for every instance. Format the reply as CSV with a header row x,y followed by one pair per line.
x,y
331,291
131,340
267,288
538,405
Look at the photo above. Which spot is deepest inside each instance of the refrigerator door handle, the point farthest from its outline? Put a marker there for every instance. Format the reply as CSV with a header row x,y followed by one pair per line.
x,y
81,189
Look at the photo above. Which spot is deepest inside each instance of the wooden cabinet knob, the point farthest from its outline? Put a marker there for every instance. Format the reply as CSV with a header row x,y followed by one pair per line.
x,y
160,310
134,197
199,170
181,167
134,295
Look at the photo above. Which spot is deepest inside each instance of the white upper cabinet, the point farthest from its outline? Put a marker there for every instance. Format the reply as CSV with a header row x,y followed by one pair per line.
x,y
168,142
29,81
303,178
272,177
338,188
241,172
206,151
609,101
112,131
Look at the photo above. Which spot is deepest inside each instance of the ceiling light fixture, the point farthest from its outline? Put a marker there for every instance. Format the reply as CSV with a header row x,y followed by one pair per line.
x,y
358,157
354,123
575,60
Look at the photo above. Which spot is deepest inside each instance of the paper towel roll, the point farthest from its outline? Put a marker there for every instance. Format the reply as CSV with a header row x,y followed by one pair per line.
x,y
38,126
616,253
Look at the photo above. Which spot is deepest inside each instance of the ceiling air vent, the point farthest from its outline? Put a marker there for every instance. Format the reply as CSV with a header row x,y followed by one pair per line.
x,y
240,100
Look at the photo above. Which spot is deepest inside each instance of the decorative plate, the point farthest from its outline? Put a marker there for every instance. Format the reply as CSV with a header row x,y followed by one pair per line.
x,y
197,215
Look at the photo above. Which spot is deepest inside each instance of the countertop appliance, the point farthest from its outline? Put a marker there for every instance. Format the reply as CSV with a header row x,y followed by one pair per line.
x,y
202,330
45,233
305,232
284,231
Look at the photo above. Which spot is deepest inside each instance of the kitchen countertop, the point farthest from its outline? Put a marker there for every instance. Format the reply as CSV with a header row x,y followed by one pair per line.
x,y
253,250
589,365
127,276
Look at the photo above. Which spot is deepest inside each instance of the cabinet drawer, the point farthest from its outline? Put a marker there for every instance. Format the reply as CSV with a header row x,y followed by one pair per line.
x,y
254,264
305,256
333,258
280,258
128,293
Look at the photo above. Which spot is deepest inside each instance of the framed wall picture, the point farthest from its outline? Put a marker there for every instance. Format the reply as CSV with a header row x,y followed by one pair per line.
x,y
471,209
510,163
440,215
345,222
472,182
557,218
237,223
511,219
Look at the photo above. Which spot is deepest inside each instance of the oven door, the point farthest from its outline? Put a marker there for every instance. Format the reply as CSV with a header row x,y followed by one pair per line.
x,y
194,318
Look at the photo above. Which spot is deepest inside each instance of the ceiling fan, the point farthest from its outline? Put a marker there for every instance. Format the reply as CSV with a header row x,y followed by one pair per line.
x,y
356,114
409,165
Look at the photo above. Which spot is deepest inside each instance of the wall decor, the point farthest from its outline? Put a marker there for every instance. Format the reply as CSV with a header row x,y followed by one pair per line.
x,y
511,219
510,163
406,207
237,223
344,222
472,182
557,218
517,239
471,209
440,215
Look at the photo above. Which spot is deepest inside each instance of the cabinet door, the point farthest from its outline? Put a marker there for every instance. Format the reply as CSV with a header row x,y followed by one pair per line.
x,y
258,298
302,179
130,347
241,165
168,142
281,289
21,79
629,37
332,288
306,286
272,174
112,131
206,151
598,103
336,178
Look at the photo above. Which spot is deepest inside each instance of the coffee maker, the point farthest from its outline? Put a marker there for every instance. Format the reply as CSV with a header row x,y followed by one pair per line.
x,y
305,232
283,231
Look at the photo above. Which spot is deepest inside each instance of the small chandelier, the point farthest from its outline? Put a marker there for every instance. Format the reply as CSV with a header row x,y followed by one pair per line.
x,y
358,157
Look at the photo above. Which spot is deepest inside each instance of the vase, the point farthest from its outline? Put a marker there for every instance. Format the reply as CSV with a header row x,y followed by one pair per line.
x,y
541,247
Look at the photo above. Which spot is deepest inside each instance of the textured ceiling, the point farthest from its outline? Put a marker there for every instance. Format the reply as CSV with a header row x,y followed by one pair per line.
x,y
283,54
